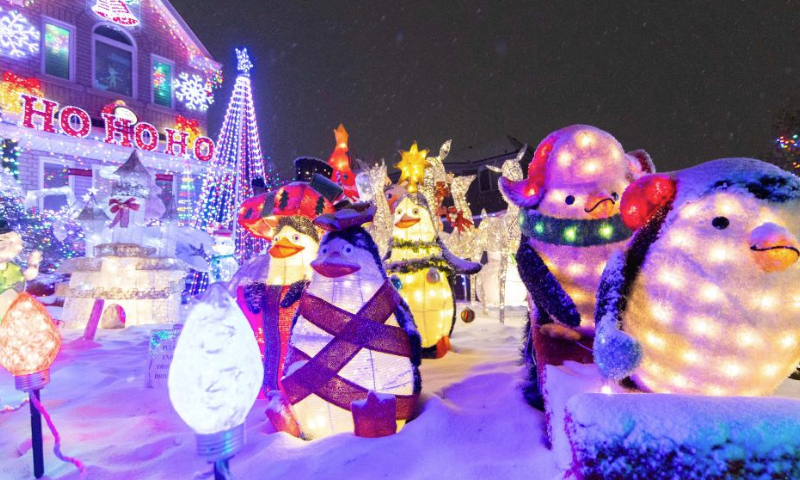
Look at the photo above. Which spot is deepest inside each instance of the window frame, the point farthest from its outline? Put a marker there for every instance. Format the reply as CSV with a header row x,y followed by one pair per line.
x,y
61,163
158,58
43,47
133,48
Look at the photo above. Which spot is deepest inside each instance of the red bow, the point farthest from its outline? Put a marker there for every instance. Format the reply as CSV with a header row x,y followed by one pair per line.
x,y
461,223
28,84
122,211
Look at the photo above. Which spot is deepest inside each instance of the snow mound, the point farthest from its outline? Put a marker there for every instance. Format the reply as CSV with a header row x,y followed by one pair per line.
x,y
656,436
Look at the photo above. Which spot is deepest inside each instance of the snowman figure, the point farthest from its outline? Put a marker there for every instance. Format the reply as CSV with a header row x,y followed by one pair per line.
x,y
223,264
705,299
570,225
426,270
354,339
12,277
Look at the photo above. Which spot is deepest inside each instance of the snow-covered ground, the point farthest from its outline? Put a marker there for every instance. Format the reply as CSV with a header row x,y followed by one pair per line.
x,y
473,422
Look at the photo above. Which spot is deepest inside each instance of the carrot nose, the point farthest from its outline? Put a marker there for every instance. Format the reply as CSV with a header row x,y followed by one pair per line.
x,y
773,248
600,205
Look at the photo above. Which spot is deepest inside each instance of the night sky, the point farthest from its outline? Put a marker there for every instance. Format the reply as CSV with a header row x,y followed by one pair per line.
x,y
687,83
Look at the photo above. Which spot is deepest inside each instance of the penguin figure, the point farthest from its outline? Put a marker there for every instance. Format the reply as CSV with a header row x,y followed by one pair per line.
x,y
570,222
353,337
426,270
705,299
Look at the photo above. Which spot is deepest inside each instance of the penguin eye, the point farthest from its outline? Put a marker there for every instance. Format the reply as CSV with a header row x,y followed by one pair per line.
x,y
569,200
324,250
277,238
295,238
615,196
399,211
348,250
720,223
415,211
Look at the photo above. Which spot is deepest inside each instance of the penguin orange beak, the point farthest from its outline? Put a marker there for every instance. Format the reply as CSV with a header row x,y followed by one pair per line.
x,y
406,221
284,248
599,205
334,266
773,248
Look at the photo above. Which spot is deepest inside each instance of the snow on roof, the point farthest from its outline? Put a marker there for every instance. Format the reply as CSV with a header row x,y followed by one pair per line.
x,y
199,56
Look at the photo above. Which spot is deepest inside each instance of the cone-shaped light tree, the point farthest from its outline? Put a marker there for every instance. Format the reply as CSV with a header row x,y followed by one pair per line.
x,y
238,161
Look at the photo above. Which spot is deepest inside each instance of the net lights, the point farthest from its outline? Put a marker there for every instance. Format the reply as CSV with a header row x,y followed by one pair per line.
x,y
215,399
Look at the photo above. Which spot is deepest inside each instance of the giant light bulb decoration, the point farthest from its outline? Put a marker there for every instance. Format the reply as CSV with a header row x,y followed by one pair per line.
x,y
353,335
425,268
570,224
215,375
707,292
29,343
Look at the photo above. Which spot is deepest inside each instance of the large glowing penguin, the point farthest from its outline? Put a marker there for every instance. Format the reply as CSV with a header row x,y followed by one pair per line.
x,y
570,222
353,335
707,292
294,245
426,271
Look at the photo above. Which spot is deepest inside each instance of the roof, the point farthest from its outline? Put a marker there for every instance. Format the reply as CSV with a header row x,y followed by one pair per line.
x,y
199,55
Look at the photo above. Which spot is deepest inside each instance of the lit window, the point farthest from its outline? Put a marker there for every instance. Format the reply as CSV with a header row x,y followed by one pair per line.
x,y
54,175
57,50
114,60
162,82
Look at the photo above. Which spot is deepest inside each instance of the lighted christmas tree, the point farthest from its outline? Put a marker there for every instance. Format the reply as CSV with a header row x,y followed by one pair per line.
x,y
237,162
186,197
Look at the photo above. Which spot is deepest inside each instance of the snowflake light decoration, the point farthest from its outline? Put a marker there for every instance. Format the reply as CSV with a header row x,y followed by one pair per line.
x,y
18,37
192,91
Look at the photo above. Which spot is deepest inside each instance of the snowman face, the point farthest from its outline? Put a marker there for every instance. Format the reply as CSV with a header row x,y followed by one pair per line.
x,y
10,246
586,173
413,222
223,246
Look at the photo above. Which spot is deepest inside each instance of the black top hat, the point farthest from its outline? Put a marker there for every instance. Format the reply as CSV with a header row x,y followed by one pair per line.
x,y
4,228
306,167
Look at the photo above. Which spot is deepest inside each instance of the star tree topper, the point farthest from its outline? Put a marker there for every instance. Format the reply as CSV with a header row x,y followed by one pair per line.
x,y
412,166
244,63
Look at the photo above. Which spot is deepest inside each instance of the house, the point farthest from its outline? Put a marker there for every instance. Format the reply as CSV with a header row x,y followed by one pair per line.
x,y
85,82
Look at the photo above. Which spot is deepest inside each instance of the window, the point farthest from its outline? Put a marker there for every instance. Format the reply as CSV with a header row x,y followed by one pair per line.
x,y
487,180
58,48
162,82
167,194
54,174
114,61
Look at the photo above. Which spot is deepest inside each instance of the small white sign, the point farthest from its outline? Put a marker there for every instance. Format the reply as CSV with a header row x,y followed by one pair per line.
x,y
159,355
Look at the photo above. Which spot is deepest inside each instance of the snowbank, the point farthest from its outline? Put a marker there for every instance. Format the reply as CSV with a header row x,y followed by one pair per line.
x,y
656,436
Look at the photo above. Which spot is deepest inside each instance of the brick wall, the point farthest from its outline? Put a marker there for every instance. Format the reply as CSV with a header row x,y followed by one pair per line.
x,y
150,38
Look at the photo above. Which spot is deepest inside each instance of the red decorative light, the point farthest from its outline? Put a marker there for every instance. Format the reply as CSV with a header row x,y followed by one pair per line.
x,y
47,114
340,161
118,130
204,149
70,112
139,136
181,142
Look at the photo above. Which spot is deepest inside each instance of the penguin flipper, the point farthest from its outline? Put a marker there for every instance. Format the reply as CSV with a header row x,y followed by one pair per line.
x,y
458,264
294,293
616,353
545,290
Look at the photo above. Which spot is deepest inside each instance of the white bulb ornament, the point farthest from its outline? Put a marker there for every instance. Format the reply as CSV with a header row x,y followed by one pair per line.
x,y
216,373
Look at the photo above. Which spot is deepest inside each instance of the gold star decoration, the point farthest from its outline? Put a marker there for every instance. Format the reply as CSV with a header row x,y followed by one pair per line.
x,y
412,166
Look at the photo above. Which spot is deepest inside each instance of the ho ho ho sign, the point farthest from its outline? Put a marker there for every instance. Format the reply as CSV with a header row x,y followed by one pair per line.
x,y
40,114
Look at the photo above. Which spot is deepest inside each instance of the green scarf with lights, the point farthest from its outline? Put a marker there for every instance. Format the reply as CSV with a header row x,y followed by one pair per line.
x,y
574,233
